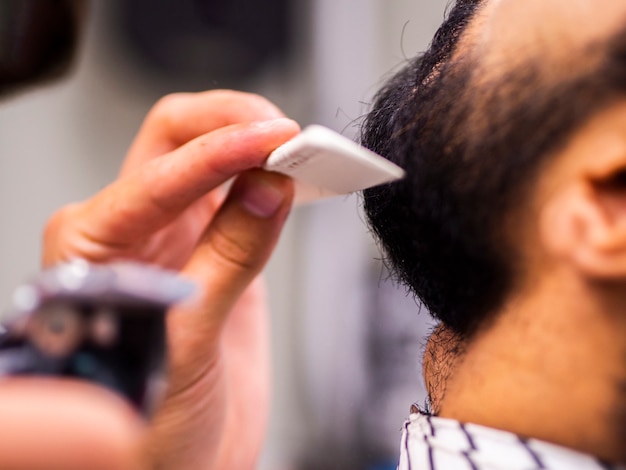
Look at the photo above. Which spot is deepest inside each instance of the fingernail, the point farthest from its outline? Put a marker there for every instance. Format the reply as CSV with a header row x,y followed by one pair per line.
x,y
274,123
260,197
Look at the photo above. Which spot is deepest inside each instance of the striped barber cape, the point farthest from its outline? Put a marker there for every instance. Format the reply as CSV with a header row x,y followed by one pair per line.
x,y
432,443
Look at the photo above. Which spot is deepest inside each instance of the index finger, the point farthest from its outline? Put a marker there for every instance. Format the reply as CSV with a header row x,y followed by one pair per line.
x,y
181,117
147,199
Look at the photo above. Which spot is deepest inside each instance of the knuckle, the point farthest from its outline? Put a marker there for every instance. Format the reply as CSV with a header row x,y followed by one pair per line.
x,y
256,98
55,222
235,95
263,103
54,236
258,105
166,110
234,252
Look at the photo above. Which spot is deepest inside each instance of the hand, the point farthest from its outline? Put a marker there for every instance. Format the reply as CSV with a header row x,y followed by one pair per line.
x,y
167,208
50,424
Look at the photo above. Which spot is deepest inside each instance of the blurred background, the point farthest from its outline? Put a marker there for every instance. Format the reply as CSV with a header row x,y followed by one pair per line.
x,y
346,342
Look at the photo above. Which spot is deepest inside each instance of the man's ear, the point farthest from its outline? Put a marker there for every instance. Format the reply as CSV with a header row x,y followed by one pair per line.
x,y
584,225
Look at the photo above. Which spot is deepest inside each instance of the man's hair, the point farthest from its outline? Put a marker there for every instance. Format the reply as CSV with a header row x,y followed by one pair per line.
x,y
472,149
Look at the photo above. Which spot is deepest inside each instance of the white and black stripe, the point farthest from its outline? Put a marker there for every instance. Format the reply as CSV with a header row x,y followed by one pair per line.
x,y
434,443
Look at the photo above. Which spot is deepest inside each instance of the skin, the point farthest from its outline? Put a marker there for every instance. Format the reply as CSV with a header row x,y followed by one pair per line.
x,y
57,419
168,208
505,33
553,363
557,348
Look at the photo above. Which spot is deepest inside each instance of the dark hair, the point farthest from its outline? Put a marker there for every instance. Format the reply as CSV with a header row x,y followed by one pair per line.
x,y
38,40
471,151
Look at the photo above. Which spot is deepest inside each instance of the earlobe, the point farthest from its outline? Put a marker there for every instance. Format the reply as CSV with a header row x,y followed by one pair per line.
x,y
585,226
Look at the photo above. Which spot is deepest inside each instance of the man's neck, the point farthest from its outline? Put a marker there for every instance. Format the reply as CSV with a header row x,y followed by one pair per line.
x,y
550,367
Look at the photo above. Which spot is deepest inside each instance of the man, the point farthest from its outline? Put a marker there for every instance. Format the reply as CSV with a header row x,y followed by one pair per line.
x,y
511,229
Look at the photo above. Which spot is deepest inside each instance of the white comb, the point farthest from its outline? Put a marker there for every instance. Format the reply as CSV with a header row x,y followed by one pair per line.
x,y
325,163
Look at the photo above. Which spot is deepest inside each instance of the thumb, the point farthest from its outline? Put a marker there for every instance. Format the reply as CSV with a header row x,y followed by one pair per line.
x,y
233,250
